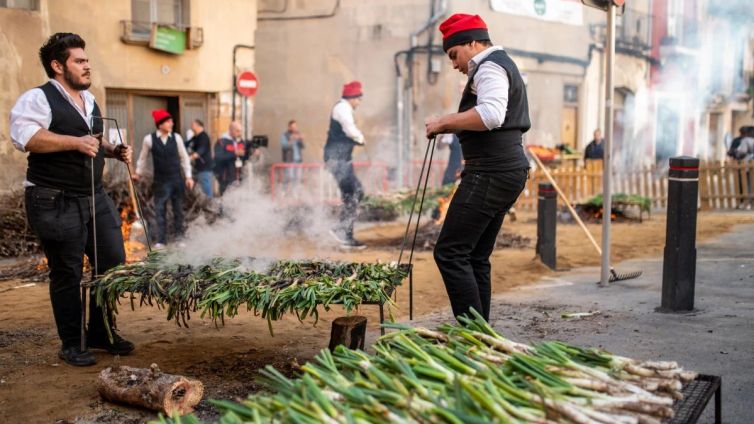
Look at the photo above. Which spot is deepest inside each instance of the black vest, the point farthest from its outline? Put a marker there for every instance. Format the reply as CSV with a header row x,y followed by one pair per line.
x,y
499,149
167,164
339,146
70,170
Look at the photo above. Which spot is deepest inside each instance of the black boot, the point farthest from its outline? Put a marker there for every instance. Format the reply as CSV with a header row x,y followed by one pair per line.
x,y
73,355
118,346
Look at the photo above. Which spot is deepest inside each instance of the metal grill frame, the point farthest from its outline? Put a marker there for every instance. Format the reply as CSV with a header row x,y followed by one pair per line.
x,y
696,396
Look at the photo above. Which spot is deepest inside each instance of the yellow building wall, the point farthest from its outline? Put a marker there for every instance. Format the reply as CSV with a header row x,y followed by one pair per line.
x,y
21,34
117,65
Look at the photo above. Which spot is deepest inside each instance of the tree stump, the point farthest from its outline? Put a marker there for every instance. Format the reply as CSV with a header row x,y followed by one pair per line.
x,y
150,388
349,332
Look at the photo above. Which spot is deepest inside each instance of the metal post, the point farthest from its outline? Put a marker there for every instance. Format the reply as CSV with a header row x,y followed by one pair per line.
x,y
411,292
409,109
401,136
547,207
607,203
679,264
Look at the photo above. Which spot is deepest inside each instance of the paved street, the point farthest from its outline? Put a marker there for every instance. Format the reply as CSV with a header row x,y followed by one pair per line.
x,y
717,338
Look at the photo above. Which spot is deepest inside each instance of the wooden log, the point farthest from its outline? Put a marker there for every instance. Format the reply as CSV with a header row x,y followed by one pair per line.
x,y
349,331
150,388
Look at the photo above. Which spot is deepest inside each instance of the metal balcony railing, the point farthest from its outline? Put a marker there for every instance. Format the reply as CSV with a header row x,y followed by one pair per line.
x,y
634,30
139,32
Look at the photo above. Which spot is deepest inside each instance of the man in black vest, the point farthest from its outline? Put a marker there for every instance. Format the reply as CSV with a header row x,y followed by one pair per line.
x,y
342,136
491,119
57,124
168,157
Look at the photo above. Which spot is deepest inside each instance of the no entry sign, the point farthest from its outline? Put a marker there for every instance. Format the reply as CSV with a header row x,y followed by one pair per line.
x,y
247,84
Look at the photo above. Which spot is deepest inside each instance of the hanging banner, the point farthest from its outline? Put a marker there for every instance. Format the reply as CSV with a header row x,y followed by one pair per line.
x,y
563,11
167,39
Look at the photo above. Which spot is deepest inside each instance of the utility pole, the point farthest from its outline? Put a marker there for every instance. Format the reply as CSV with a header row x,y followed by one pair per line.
x,y
611,7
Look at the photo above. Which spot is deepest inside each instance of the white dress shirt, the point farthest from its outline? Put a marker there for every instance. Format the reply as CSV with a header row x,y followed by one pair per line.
x,y
146,147
343,114
746,147
32,112
490,84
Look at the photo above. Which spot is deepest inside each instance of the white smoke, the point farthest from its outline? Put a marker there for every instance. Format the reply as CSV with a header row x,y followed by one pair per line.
x,y
255,225
703,72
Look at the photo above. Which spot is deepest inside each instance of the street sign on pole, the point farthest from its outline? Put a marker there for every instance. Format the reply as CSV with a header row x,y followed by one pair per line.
x,y
247,84
603,4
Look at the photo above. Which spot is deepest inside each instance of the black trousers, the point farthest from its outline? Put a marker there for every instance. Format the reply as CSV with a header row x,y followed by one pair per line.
x,y
172,190
351,193
468,236
63,224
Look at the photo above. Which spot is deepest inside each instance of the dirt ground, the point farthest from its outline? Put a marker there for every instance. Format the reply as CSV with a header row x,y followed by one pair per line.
x,y
36,387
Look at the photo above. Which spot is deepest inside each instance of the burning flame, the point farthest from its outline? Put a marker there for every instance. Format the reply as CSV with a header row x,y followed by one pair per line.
x,y
135,250
42,265
442,206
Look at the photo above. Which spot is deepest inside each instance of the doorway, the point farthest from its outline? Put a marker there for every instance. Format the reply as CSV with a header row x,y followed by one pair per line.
x,y
568,126
133,109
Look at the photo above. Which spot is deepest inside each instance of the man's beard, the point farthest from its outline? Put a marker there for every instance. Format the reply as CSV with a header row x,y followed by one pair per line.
x,y
68,76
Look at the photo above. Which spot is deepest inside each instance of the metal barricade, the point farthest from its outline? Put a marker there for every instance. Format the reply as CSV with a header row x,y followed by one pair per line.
x,y
436,172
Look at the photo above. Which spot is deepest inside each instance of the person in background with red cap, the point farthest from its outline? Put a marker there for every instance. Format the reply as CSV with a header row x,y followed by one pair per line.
x,y
492,117
169,158
342,136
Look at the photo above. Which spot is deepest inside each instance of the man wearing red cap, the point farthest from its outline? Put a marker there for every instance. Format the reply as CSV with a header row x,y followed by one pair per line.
x,y
342,136
492,116
169,158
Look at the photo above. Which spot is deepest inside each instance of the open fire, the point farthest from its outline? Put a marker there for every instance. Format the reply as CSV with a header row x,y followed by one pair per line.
x,y
135,250
593,213
442,207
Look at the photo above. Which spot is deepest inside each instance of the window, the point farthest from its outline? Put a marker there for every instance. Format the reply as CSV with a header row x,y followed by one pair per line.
x,y
146,12
675,20
20,4
570,94
162,11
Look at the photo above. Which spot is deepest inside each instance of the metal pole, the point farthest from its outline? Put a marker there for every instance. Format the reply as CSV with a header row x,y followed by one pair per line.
x,y
409,108
547,210
401,136
607,203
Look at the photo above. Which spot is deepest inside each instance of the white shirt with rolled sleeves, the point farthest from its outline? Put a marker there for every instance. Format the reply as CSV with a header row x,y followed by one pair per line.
x,y
146,147
32,113
746,148
490,84
343,114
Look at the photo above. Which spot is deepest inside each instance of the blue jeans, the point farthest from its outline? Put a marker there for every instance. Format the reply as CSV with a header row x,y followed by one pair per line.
x,y
204,179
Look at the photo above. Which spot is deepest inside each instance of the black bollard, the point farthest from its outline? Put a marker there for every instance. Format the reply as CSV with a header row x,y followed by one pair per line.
x,y
679,265
547,208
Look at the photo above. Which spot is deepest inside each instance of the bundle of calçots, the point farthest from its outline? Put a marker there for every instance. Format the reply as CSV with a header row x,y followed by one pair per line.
x,y
463,374
218,289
